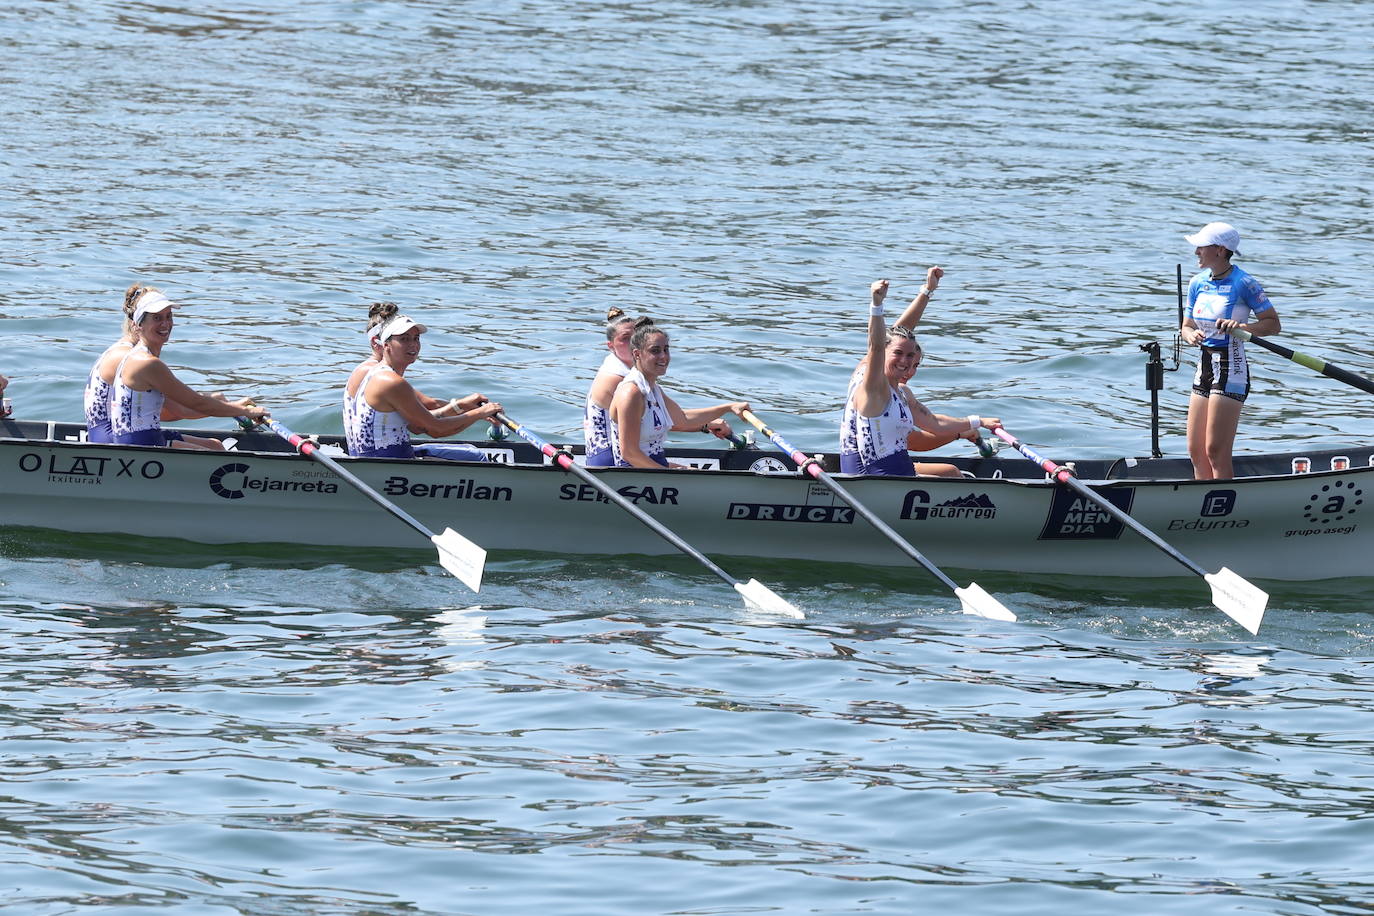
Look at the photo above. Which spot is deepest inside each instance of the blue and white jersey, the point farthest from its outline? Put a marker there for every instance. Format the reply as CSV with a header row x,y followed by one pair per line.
x,y
372,430
653,427
875,445
133,412
1234,296
96,401
596,420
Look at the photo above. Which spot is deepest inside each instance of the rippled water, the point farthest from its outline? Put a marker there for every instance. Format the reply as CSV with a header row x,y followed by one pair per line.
x,y
208,733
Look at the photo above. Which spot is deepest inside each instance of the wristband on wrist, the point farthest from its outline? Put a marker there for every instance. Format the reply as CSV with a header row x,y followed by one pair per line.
x,y
705,428
925,291
876,310
974,422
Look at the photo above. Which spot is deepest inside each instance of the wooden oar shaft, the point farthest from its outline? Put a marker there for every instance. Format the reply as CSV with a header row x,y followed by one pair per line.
x,y
1311,362
815,470
1065,476
311,450
565,461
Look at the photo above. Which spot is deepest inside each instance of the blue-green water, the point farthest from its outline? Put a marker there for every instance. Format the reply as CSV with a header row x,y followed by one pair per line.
x,y
193,731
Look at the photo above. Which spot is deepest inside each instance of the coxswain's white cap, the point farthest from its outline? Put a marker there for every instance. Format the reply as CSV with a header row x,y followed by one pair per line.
x,y
1223,234
151,304
398,325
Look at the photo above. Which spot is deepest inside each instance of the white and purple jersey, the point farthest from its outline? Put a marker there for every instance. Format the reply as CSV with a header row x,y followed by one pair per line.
x,y
596,420
135,416
876,445
96,401
373,432
653,426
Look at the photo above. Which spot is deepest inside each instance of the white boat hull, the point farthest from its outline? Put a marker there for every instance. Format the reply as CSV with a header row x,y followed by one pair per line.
x,y
1296,527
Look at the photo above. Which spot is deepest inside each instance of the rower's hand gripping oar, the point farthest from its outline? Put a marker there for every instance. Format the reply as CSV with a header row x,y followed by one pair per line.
x,y
460,556
1311,362
753,591
973,599
1234,596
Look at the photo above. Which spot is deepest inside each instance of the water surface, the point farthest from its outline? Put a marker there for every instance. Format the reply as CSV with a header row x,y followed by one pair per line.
x,y
203,731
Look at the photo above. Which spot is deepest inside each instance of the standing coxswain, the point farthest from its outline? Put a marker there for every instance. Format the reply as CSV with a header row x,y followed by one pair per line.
x,y
1220,299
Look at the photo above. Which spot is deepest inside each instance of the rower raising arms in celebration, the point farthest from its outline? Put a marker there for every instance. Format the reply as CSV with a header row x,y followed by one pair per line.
x,y
596,419
142,385
880,412
919,440
1220,298
641,413
387,409
378,314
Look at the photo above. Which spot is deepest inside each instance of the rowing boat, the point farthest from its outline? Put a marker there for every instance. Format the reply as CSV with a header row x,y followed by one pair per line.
x,y
1273,522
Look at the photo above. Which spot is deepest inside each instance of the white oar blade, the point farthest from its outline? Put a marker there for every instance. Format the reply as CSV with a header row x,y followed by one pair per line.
x,y
1238,599
975,600
764,598
461,557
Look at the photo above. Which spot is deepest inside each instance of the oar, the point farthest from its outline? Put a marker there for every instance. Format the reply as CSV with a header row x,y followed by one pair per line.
x,y
1311,362
753,591
1238,599
460,556
973,599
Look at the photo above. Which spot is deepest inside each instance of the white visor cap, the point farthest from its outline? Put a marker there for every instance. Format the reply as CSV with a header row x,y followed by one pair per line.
x,y
151,304
1223,234
398,325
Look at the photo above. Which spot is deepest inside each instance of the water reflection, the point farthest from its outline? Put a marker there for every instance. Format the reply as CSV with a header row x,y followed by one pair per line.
x,y
461,629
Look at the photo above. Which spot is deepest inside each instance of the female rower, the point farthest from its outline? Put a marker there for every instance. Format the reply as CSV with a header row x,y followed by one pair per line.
x,y
920,440
378,314
641,413
1220,298
880,411
386,408
596,421
596,429
141,384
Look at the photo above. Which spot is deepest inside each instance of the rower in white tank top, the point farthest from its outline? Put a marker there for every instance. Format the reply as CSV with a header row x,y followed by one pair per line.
x,y
876,445
880,413
653,426
136,416
350,416
596,420
376,433
96,399
640,403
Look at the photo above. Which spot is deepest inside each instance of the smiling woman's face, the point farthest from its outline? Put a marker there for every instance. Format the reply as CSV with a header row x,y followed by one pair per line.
x,y
653,357
156,327
403,349
902,358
